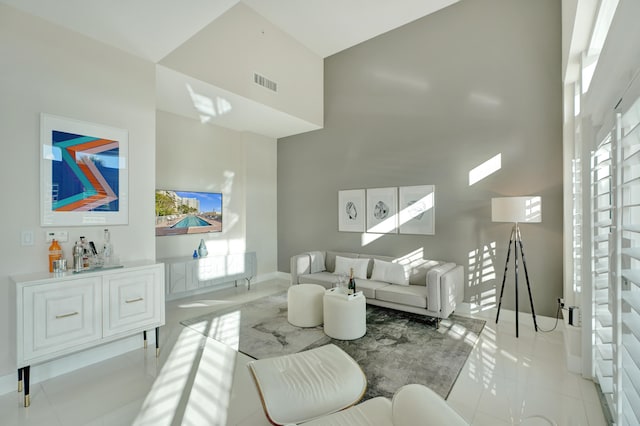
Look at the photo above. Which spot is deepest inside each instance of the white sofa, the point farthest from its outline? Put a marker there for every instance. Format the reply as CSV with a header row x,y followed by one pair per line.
x,y
431,287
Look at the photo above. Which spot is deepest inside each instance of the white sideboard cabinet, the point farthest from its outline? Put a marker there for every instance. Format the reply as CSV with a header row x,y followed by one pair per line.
x,y
59,314
187,276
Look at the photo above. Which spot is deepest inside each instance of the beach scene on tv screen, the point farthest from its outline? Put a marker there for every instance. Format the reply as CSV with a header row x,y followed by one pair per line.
x,y
188,212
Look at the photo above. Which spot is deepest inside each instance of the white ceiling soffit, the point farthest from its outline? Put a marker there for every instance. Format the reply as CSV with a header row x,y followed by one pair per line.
x,y
189,97
330,26
149,29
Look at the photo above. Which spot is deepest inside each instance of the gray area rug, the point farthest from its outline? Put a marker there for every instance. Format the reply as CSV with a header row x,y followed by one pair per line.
x,y
399,347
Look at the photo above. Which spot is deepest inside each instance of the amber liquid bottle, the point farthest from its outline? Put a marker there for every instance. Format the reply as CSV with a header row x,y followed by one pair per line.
x,y
351,288
55,253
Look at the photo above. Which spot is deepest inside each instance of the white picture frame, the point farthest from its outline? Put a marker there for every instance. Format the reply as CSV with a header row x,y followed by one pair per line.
x,y
382,210
351,210
84,173
417,210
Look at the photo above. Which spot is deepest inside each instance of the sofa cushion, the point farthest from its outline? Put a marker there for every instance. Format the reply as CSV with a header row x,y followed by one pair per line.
x,y
411,295
325,279
375,256
345,264
374,411
393,273
317,261
330,259
370,287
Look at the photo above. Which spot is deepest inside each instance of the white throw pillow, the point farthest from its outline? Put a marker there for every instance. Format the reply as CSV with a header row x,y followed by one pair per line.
x,y
389,272
344,264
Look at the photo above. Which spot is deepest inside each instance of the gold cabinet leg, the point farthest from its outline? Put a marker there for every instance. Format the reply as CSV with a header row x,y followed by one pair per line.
x,y
26,373
19,379
157,341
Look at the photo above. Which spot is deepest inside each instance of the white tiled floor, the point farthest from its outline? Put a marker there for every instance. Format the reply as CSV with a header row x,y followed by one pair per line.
x,y
198,381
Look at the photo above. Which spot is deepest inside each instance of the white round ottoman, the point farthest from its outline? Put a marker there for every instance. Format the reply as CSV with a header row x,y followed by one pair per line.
x,y
345,317
304,303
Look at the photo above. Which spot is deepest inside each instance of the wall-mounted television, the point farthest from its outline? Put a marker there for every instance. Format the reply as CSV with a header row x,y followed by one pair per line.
x,y
187,212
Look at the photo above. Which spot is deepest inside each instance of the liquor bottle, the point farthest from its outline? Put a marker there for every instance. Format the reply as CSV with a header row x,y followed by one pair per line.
x,y
85,253
55,253
351,288
107,248
77,257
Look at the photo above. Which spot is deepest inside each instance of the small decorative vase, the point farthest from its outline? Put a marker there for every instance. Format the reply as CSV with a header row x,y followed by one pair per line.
x,y
202,249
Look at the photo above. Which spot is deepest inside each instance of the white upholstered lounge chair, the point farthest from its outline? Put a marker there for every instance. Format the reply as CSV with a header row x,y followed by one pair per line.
x,y
321,386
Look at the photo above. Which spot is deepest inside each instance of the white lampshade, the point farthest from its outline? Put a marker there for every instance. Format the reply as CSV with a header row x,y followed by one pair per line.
x,y
516,209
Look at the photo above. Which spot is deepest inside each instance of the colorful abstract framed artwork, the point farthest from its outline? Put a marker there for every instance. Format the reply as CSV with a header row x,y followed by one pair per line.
x,y
84,173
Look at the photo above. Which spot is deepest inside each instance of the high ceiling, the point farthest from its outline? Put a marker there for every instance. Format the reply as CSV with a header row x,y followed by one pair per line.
x,y
151,29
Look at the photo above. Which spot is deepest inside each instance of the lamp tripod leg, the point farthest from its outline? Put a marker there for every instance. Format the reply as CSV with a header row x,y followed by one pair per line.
x,y
504,276
526,274
515,245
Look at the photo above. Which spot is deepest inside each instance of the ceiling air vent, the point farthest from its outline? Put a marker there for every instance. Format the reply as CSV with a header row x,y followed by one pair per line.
x,y
265,82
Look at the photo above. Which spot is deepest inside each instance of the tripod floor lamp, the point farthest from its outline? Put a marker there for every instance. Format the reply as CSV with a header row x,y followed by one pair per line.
x,y
516,210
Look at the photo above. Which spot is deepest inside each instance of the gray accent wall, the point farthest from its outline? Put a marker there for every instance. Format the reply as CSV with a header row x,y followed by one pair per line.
x,y
426,104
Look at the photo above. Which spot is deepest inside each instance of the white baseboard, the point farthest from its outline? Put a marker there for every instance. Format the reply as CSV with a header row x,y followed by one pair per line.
x,y
507,315
271,276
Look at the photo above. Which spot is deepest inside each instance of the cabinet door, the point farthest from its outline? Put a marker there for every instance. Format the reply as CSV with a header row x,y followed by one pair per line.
x,y
177,277
211,270
133,300
57,317
182,276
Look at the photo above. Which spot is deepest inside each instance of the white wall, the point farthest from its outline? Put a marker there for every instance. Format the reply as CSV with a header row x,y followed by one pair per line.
x,y
427,103
262,199
227,52
202,157
44,68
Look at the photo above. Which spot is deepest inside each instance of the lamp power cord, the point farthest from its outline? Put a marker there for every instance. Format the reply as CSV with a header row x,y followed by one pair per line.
x,y
560,307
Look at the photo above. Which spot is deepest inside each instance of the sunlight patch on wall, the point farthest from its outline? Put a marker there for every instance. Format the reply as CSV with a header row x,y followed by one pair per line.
x,y
367,238
481,276
225,246
379,230
485,169
208,108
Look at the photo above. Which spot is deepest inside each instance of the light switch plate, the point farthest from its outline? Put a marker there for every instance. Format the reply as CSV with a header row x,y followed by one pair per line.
x,y
26,238
60,236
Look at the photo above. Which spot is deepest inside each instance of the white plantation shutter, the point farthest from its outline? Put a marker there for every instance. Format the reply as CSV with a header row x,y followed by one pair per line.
x,y
627,355
601,220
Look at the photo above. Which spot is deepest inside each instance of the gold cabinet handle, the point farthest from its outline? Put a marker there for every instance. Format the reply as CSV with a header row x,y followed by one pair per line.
x,y
66,315
139,299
